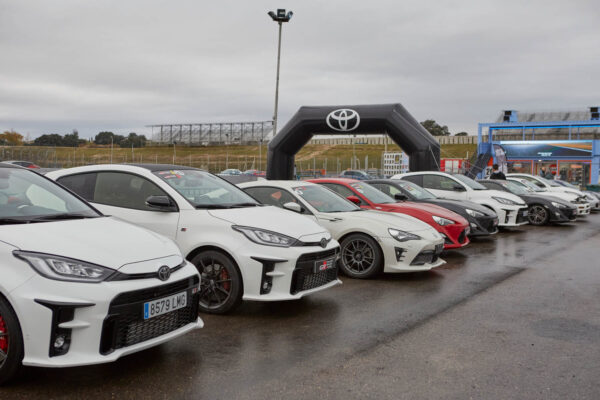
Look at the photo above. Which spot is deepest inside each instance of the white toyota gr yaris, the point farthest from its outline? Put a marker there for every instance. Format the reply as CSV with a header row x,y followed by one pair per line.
x,y
243,250
78,287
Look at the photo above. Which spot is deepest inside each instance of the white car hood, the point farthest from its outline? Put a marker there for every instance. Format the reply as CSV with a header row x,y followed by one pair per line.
x,y
560,195
270,218
105,241
387,219
488,194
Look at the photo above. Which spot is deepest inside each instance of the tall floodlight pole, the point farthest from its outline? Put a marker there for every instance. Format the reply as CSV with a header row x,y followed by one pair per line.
x,y
280,18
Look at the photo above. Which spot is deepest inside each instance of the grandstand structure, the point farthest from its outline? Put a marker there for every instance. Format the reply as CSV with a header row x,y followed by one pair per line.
x,y
213,133
546,125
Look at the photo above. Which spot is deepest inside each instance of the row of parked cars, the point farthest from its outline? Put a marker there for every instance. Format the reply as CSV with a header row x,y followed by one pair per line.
x,y
102,261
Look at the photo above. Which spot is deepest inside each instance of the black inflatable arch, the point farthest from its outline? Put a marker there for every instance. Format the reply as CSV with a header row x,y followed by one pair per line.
x,y
416,141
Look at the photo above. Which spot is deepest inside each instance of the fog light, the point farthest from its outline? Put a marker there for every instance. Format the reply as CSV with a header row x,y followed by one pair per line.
x,y
59,341
399,253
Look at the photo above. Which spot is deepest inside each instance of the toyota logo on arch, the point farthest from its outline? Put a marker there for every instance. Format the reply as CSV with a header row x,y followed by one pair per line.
x,y
343,120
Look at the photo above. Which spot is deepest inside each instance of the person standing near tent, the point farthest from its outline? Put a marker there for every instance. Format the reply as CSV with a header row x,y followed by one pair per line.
x,y
496,173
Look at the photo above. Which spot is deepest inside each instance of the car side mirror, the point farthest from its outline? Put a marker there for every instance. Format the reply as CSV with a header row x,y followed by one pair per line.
x,y
400,196
354,199
295,207
161,203
458,188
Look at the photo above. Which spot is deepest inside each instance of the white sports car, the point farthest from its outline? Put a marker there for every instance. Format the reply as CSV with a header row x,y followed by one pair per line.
x,y
511,209
242,249
371,241
78,287
583,206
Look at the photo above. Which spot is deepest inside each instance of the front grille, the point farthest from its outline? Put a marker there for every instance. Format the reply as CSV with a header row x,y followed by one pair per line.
x,y
125,325
305,280
321,255
428,256
304,277
462,237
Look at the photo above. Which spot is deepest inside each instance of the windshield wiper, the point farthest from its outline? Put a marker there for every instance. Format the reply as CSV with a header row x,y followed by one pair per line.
x,y
225,206
240,205
58,217
10,221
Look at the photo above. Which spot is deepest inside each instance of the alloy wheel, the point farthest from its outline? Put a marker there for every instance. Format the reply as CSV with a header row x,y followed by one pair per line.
x,y
358,256
215,285
4,337
538,215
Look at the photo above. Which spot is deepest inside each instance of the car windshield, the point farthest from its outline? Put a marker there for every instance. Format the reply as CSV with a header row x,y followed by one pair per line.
x,y
532,187
372,194
26,197
548,181
469,182
515,188
566,184
204,190
324,200
415,190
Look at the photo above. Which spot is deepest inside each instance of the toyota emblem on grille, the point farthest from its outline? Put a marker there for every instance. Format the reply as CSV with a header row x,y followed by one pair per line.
x,y
164,273
324,242
343,120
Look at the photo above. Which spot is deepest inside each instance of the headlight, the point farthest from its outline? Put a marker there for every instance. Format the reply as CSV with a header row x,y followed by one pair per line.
x,y
558,205
265,237
403,236
505,201
442,221
474,213
64,269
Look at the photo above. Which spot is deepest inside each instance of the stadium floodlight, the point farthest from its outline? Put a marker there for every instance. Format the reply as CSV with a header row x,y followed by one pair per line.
x,y
280,17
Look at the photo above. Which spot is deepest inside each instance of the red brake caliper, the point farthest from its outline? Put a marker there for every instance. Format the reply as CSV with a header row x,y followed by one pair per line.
x,y
224,277
3,339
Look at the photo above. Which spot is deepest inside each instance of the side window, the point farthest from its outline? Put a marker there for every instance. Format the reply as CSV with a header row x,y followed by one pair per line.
x,y
390,190
418,179
341,190
125,190
272,196
438,182
82,184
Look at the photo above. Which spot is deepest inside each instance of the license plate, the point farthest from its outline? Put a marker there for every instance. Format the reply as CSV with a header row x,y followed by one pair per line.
x,y
324,265
165,305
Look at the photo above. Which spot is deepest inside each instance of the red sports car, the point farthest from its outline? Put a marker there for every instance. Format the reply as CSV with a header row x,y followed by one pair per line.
x,y
452,226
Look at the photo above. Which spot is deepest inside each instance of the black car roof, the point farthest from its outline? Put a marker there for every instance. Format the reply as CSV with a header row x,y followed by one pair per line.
x,y
162,167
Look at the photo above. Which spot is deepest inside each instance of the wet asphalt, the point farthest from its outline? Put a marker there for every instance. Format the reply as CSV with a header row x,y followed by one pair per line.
x,y
516,316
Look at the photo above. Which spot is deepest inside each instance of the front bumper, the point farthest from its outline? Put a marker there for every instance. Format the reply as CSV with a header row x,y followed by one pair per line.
x,y
39,301
455,235
483,226
285,273
583,209
511,216
411,256
562,214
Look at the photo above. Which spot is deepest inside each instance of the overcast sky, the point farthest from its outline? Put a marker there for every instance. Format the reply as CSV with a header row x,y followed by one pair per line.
x,y
121,65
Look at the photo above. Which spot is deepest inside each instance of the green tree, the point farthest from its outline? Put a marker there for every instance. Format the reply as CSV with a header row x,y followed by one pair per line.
x,y
134,140
72,139
53,139
435,129
105,138
462,134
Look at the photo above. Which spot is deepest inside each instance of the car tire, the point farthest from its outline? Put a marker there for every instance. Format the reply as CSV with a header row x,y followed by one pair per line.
x,y
361,256
11,343
220,283
538,215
